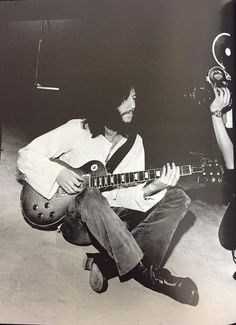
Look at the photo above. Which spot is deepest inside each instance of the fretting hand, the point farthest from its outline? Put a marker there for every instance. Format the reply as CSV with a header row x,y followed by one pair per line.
x,y
169,178
69,181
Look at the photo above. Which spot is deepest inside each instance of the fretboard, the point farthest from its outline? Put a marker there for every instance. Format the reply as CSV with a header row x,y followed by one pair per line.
x,y
126,179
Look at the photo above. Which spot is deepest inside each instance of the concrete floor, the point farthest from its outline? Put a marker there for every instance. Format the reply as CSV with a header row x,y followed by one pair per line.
x,y
42,280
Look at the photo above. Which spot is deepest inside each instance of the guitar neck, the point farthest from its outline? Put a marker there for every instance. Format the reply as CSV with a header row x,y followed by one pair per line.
x,y
131,178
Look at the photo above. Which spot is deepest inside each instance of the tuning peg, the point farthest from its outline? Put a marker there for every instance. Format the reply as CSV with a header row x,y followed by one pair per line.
x,y
202,157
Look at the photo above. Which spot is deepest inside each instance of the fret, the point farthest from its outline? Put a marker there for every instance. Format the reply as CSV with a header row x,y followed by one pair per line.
x,y
95,182
158,173
100,181
119,179
122,178
131,177
112,179
141,176
152,173
185,170
146,175
136,176
105,181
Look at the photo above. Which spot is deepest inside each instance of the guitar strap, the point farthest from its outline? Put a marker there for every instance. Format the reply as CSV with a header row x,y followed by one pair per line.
x,y
118,156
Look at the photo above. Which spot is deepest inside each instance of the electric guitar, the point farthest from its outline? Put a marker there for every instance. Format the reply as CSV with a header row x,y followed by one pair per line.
x,y
46,214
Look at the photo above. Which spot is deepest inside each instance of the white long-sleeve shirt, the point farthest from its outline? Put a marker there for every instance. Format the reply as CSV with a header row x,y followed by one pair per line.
x,y
74,145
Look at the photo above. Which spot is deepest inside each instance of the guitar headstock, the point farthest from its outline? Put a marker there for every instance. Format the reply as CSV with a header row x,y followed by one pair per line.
x,y
209,171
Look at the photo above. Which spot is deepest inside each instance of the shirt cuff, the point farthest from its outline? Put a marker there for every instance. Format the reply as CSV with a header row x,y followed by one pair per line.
x,y
132,198
147,203
46,183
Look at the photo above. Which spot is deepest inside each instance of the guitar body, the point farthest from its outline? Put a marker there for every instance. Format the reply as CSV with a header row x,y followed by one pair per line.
x,y
46,214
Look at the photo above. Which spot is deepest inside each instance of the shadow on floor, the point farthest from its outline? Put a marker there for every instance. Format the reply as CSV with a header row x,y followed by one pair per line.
x,y
187,222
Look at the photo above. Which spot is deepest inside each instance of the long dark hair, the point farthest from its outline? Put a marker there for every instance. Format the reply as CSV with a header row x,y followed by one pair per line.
x,y
105,95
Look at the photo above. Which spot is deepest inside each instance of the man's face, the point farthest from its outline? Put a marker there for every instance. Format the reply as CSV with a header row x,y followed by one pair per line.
x,y
126,108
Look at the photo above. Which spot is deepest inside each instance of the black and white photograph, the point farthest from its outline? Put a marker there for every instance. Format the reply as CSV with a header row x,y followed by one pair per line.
x,y
117,162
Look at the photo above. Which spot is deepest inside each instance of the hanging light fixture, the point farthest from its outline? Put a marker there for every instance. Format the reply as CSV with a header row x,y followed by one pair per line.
x,y
37,85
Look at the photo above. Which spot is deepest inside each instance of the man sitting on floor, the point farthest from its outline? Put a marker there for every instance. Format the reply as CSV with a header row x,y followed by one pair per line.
x,y
133,226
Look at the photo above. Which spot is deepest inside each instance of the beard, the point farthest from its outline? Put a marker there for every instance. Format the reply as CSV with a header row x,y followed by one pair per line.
x,y
114,122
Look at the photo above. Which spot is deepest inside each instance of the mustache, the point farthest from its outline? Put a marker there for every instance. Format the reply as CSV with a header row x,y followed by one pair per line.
x,y
128,112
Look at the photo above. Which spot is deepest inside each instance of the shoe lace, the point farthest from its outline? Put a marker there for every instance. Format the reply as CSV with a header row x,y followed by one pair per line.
x,y
156,275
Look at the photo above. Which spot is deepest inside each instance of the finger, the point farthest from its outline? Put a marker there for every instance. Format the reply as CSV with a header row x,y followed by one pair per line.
x,y
164,178
221,98
215,91
224,97
71,187
64,189
228,96
168,173
77,176
172,175
163,172
177,176
218,92
221,92
80,179
76,183
68,189
76,188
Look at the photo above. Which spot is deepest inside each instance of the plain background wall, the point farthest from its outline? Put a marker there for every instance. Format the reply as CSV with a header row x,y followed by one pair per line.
x,y
165,44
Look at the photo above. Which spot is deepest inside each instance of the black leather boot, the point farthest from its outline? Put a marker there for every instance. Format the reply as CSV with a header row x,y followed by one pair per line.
x,y
102,268
183,290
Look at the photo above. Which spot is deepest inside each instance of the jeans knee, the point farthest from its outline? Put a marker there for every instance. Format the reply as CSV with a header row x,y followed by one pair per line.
x,y
92,204
90,195
178,197
185,199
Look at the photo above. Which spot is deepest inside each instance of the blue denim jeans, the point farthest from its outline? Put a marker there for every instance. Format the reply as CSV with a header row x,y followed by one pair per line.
x,y
128,235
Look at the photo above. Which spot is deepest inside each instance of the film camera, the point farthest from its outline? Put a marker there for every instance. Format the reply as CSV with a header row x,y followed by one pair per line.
x,y
217,76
